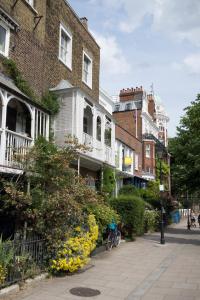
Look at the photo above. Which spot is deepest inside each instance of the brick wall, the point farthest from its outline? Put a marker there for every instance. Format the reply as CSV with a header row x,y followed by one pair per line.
x,y
27,45
149,162
58,11
36,51
127,120
151,106
125,137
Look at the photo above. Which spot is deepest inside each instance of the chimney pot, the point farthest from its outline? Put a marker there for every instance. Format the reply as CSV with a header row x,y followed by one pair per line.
x,y
84,21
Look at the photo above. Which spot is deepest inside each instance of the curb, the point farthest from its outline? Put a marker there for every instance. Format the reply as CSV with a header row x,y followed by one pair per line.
x,y
15,288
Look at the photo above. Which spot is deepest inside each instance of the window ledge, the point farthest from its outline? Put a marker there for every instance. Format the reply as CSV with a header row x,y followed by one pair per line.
x,y
63,63
3,55
89,86
31,7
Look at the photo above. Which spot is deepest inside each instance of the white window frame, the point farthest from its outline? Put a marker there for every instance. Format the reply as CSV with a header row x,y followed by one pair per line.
x,y
68,61
7,39
147,150
89,81
30,2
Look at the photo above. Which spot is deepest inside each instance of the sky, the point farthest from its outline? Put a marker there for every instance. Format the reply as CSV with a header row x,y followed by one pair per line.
x,y
148,41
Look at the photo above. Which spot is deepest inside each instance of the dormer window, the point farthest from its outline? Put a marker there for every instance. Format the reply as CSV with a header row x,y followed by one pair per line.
x,y
117,107
128,106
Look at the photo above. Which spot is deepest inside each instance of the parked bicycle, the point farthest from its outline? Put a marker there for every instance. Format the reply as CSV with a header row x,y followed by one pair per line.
x,y
114,236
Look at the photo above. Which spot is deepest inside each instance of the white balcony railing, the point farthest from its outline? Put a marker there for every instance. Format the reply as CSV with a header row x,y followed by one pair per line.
x,y
16,148
87,140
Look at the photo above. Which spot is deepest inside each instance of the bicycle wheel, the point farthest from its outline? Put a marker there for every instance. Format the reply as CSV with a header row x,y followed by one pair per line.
x,y
118,239
109,243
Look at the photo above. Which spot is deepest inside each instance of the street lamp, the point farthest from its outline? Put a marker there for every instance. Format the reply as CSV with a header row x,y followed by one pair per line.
x,y
162,236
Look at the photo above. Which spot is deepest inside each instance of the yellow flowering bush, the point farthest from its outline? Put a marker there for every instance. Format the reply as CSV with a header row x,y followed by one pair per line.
x,y
3,273
75,252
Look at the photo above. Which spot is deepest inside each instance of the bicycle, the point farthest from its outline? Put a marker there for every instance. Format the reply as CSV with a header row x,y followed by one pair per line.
x,y
114,239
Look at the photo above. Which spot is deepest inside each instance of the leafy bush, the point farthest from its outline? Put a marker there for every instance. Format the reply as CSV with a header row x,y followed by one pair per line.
x,y
108,180
151,220
129,189
131,210
50,102
6,258
104,215
74,253
151,194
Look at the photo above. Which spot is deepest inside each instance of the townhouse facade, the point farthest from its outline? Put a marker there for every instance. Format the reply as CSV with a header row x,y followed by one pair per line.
x,y
143,117
54,50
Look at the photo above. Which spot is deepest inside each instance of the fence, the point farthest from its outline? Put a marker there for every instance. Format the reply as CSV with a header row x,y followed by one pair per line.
x,y
24,259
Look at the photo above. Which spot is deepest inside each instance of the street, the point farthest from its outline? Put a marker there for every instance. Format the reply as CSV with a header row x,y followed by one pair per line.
x,y
140,270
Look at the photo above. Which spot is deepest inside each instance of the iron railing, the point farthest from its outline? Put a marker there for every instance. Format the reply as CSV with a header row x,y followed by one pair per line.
x,y
28,260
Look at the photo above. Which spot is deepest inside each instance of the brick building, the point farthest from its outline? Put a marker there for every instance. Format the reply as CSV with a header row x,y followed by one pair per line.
x,y
140,116
54,50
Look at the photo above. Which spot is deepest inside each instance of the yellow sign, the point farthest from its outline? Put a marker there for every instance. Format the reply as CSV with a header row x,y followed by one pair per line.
x,y
128,161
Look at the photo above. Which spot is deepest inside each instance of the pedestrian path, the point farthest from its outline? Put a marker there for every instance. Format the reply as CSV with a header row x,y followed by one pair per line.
x,y
140,270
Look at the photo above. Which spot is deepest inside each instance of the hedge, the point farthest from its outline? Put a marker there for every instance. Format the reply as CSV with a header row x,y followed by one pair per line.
x,y
131,209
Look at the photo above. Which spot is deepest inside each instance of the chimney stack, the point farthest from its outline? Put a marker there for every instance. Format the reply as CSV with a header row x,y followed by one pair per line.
x,y
131,94
84,21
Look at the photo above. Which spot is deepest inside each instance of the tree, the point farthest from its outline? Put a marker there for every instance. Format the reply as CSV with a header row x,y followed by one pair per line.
x,y
50,197
185,165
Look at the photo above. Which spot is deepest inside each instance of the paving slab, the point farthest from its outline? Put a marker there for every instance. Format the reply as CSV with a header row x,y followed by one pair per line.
x,y
140,270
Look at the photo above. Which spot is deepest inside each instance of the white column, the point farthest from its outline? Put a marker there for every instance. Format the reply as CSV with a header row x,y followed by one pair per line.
x,y
3,134
113,142
94,127
47,126
33,124
103,122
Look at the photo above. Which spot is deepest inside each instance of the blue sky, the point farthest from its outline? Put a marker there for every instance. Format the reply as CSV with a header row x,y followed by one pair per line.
x,y
148,41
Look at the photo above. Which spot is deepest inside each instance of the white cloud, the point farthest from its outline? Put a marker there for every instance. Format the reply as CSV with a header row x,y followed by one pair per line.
x,y
113,61
192,63
177,18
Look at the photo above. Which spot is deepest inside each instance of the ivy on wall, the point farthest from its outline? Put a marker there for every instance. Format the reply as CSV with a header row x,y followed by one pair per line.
x,y
17,77
108,180
49,100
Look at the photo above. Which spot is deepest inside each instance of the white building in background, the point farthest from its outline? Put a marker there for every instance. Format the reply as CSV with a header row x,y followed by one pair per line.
x,y
162,120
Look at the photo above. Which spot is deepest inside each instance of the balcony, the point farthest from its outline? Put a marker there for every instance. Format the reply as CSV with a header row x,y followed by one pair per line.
x,y
20,125
87,140
17,146
108,154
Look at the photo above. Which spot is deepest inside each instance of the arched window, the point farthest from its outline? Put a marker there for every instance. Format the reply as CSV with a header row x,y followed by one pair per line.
x,y
98,129
87,120
18,117
108,132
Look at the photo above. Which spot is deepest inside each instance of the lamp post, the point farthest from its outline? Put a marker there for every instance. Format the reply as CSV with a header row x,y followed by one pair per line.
x,y
188,213
162,235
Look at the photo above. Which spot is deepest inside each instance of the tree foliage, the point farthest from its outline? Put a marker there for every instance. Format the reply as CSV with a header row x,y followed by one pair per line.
x,y
50,198
185,164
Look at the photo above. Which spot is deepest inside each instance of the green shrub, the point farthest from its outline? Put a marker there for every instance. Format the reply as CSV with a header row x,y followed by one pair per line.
x,y
131,210
104,215
151,220
129,189
151,194
50,102
108,180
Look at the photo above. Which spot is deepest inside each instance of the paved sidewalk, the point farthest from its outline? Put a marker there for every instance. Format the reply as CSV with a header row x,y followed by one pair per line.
x,y
141,270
